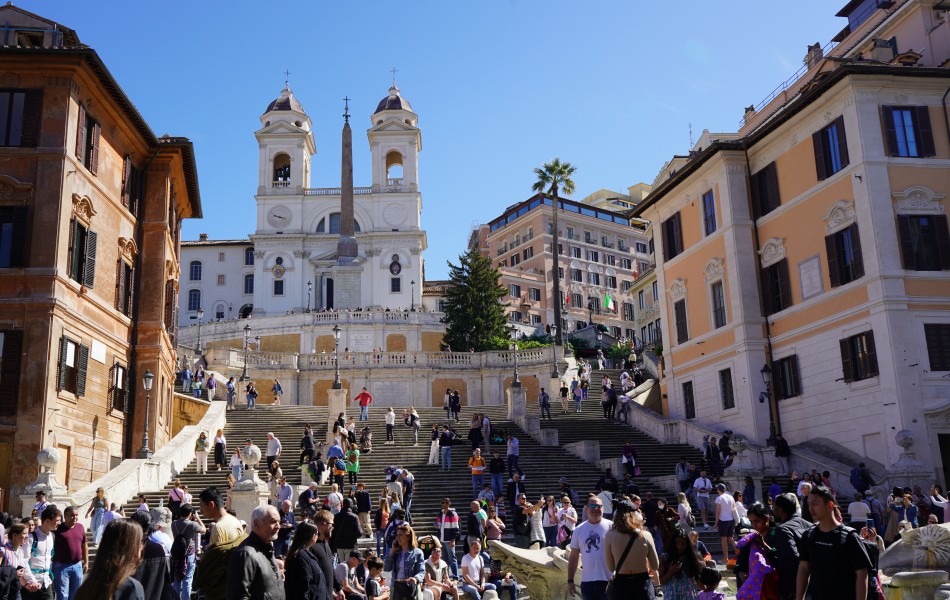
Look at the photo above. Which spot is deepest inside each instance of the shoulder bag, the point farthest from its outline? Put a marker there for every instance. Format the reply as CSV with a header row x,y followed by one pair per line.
x,y
611,593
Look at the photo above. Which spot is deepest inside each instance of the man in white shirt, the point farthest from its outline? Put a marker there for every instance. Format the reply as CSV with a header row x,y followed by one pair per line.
x,y
473,571
587,544
725,520
702,486
38,575
859,512
390,423
513,454
273,449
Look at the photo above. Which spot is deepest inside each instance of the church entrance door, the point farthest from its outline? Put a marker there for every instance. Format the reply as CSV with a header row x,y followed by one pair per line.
x,y
329,293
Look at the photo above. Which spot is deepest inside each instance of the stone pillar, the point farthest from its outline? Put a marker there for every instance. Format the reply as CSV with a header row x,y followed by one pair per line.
x,y
554,390
517,403
336,403
250,492
56,493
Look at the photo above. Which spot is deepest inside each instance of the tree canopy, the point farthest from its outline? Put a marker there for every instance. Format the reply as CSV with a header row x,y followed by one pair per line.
x,y
474,313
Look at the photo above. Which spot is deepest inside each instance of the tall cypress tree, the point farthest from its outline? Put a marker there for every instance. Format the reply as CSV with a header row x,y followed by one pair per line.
x,y
473,309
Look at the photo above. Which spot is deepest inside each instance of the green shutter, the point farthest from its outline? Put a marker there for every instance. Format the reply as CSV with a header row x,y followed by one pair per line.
x,y
89,273
82,370
943,240
61,366
94,159
842,142
858,270
907,242
817,143
113,391
32,114
119,286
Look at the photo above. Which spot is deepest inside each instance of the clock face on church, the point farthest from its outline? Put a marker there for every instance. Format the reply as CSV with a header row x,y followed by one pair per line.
x,y
395,268
279,217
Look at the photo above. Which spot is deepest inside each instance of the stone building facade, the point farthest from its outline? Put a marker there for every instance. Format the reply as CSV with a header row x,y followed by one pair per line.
x,y
91,204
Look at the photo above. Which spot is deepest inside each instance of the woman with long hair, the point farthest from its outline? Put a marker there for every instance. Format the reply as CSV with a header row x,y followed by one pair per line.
x,y
494,526
406,562
632,579
762,582
549,521
475,431
202,445
98,508
380,523
680,567
303,577
117,557
220,449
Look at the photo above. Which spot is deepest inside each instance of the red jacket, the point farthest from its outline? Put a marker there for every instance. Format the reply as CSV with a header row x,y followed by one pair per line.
x,y
365,399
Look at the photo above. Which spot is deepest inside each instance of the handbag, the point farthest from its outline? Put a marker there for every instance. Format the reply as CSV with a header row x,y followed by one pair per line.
x,y
611,593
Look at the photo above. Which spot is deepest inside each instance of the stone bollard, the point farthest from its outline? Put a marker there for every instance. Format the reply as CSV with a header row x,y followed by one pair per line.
x,y
915,585
251,491
56,493
943,592
517,403
548,437
336,404
531,424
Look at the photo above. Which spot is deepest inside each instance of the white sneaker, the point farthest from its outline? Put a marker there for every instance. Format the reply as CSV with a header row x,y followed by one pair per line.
x,y
706,526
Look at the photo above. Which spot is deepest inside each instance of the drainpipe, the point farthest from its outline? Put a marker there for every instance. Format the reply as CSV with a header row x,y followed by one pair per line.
x,y
775,421
946,118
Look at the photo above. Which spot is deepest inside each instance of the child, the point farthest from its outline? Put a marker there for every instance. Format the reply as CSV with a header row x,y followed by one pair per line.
x,y
375,586
709,579
486,496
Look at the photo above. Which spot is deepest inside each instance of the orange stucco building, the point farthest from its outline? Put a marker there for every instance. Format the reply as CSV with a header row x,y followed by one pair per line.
x,y
814,241
91,204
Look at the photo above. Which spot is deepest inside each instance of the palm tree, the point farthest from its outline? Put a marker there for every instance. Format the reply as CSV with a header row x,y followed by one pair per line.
x,y
554,175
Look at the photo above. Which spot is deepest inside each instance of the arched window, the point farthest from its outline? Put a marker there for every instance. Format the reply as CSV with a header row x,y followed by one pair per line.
x,y
219,312
194,270
248,284
335,224
249,257
194,300
393,168
281,170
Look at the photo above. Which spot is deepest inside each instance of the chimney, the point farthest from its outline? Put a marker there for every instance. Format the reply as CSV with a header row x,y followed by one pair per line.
x,y
883,50
814,55
202,237
749,113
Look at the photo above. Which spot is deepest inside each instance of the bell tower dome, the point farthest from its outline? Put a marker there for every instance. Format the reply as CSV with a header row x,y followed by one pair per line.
x,y
395,142
285,143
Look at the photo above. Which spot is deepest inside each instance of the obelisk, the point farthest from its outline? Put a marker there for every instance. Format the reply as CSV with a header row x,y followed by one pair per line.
x,y
348,271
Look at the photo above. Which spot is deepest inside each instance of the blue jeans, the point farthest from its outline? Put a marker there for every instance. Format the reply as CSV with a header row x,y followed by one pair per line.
x,y
96,524
231,396
498,484
364,413
478,482
66,579
407,502
547,409
186,385
577,404
183,587
513,465
236,471
657,539
448,555
447,458
550,535
594,590
512,587
251,401
471,591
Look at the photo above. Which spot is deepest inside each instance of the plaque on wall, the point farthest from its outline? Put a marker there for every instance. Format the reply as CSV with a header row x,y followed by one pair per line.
x,y
392,393
809,273
361,342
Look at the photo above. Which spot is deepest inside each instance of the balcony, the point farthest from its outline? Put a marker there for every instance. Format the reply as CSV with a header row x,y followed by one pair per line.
x,y
281,184
357,191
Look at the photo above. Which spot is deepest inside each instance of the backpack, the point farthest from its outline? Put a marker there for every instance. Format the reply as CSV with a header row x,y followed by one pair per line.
x,y
690,519
391,534
857,480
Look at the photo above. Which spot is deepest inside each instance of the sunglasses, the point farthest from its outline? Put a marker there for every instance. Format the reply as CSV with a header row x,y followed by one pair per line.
x,y
595,507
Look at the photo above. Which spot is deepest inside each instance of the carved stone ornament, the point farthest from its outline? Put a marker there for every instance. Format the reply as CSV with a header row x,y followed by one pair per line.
x,y
840,215
772,251
373,252
415,251
172,270
918,200
677,289
258,254
83,208
301,254
128,249
714,269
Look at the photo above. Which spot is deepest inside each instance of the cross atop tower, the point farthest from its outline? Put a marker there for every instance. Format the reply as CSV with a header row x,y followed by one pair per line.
x,y
287,78
346,109
394,71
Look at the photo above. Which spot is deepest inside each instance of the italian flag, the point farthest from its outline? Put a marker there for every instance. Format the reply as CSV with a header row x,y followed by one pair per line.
x,y
608,301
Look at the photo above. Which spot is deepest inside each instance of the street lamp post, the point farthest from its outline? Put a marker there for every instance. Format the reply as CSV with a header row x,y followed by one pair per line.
x,y
555,373
515,383
412,296
147,380
201,315
309,292
336,352
247,341
769,394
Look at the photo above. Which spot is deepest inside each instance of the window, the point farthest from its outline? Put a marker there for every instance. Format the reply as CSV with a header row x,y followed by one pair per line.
x,y
575,252
640,299
219,312
938,346
785,378
570,233
689,404
194,270
124,287
73,365
672,237
535,319
643,334
395,285
907,131
765,196
529,252
610,260
594,278
656,291
626,263
248,257
718,305
628,311
87,141
119,388
844,256
611,282
11,347
534,294
626,285
725,389
604,241
577,300
560,249
515,259
221,279
560,272
925,242
615,331
514,290
194,300
858,357
651,246
588,237
514,316
622,245
20,117
278,287
335,224
831,149
593,255
682,326
248,284
82,254
776,290
577,275
503,263
133,187
13,226
641,248
709,213
220,256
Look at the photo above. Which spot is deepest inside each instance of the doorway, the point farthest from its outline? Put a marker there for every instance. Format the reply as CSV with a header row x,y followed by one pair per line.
x,y
943,440
329,293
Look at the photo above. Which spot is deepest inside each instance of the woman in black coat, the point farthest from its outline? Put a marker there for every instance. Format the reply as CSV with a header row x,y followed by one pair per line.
x,y
303,577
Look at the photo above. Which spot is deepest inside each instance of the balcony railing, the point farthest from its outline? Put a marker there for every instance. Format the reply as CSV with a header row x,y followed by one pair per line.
x,y
280,184
357,191
326,361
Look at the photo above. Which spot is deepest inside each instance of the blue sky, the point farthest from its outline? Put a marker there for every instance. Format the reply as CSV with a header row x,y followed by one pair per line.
x,y
499,86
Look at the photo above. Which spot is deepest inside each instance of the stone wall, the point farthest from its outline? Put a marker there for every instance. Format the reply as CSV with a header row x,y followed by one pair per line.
x,y
431,341
395,342
187,410
440,384
321,389
288,342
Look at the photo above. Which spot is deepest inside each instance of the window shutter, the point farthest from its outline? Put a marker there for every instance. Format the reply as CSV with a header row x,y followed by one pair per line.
x,y
856,250
907,242
94,159
126,180
846,367
119,286
778,380
89,274
925,134
129,290
127,395
796,387
766,281
71,251
10,372
61,367
832,251
842,142
113,390
18,243
943,240
785,288
816,139
83,368
32,111
755,190
682,333
890,130
872,354
771,185
81,132
677,233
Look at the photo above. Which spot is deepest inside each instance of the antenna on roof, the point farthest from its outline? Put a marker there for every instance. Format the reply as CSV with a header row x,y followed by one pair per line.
x,y
691,136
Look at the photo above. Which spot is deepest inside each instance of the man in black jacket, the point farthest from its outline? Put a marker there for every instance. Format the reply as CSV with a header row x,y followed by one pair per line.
x,y
252,570
515,489
788,536
346,531
321,551
152,572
